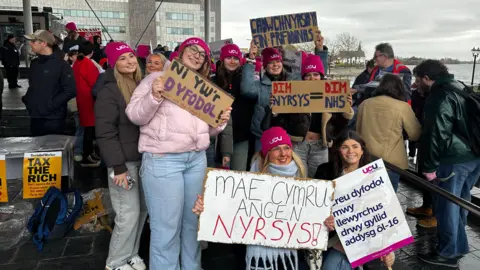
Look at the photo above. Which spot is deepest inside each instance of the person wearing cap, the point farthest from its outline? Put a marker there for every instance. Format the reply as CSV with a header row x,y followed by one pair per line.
x,y
11,61
276,158
173,142
117,138
51,86
261,90
73,37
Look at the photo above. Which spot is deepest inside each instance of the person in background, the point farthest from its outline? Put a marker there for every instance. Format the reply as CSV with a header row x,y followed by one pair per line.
x,y
142,52
364,77
11,61
276,158
98,51
51,86
358,97
261,90
173,142
381,121
155,63
448,158
349,154
158,49
117,138
57,48
386,63
86,75
72,38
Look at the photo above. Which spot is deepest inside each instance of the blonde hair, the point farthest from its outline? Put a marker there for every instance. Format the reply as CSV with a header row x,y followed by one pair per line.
x,y
263,163
162,57
127,84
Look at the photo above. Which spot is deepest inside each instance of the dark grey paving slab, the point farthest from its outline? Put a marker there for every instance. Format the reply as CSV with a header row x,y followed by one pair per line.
x,y
88,262
25,265
79,246
51,250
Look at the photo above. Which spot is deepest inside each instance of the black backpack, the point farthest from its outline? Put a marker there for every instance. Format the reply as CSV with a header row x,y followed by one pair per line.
x,y
472,101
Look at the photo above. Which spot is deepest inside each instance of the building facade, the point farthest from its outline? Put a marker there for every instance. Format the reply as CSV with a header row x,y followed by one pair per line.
x,y
125,20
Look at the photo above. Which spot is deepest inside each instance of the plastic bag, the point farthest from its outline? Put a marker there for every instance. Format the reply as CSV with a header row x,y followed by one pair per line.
x,y
96,204
13,224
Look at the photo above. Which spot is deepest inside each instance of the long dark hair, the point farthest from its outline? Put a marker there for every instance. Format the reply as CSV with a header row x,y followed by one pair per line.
x,y
391,85
225,77
337,157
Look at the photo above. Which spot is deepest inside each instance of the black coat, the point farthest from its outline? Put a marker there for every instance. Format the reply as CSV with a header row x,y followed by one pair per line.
x,y
10,56
50,86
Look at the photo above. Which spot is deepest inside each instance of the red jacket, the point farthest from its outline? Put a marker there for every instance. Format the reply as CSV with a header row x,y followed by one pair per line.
x,y
86,74
397,68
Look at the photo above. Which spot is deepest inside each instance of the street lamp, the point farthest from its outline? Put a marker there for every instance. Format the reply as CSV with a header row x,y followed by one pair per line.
x,y
475,53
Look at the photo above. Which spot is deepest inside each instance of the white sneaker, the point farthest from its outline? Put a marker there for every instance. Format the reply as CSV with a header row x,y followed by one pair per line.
x,y
123,267
137,263
78,157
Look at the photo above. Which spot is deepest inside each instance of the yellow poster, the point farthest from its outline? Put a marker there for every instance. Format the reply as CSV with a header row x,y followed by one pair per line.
x,y
91,209
41,171
3,180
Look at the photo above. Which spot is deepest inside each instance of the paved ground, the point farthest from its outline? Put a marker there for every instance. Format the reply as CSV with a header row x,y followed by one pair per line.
x,y
89,251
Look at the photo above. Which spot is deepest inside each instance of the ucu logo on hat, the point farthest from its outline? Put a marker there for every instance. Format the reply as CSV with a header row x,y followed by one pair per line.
x,y
312,67
276,139
233,51
370,169
123,47
275,56
193,41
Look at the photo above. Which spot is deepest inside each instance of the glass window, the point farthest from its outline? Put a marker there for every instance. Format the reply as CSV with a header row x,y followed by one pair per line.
x,y
122,15
110,14
73,13
212,19
212,29
174,16
66,12
123,29
202,17
169,15
212,39
116,15
190,17
202,29
169,30
185,16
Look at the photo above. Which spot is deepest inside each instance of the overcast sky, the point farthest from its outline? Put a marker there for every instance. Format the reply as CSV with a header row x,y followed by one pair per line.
x,y
422,28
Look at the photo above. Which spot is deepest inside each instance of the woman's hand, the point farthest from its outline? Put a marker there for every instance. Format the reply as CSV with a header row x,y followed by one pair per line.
x,y
388,259
330,223
198,207
226,162
158,87
121,180
225,116
349,99
252,53
319,41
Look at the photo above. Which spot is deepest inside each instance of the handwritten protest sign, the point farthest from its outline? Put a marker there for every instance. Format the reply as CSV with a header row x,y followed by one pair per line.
x,y
310,96
292,59
198,95
41,170
261,209
368,217
284,29
3,180
91,209
216,46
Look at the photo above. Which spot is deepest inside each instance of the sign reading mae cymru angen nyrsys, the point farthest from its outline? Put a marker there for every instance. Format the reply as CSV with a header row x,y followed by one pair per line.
x,y
284,29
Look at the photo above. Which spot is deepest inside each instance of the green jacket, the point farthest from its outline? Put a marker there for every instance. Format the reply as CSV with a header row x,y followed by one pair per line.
x,y
445,115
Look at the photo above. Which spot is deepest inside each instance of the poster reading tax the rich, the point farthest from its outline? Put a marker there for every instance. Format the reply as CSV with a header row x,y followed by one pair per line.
x,y
41,170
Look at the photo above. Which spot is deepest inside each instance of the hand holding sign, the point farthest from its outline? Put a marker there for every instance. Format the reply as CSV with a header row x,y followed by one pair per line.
x,y
225,116
252,53
158,87
198,207
319,40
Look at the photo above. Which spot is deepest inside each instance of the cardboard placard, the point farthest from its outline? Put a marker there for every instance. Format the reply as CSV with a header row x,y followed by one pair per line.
x,y
198,95
267,210
91,209
310,96
368,217
284,29
41,170
216,46
3,180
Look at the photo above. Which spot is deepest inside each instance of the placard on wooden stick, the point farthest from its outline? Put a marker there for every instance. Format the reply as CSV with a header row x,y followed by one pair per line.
x,y
262,209
192,92
310,96
284,29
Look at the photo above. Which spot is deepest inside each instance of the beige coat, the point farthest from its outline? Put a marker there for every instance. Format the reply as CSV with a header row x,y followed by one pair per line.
x,y
381,121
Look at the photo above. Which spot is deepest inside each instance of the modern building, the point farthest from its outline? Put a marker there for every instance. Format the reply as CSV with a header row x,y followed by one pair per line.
x,y
125,20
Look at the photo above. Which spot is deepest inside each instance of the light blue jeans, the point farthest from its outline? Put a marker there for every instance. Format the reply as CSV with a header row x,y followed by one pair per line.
x,y
313,154
171,183
335,260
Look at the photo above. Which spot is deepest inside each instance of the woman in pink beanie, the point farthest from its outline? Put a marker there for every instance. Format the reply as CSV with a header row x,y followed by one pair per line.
x,y
117,138
173,143
277,158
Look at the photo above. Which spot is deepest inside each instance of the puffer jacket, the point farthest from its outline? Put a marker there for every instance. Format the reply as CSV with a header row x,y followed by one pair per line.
x,y
164,126
259,90
445,124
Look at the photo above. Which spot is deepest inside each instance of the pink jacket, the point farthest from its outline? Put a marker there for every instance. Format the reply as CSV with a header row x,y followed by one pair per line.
x,y
164,126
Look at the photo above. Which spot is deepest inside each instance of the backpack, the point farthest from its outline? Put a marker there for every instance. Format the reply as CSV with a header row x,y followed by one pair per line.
x,y
54,217
472,101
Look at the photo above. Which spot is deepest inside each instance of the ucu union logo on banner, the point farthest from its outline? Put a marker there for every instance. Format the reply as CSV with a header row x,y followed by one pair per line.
x,y
370,169
123,47
193,41
276,139
233,52
310,67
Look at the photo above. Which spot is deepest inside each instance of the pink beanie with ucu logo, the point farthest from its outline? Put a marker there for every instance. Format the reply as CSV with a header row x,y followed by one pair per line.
x,y
274,137
114,50
230,50
195,41
312,63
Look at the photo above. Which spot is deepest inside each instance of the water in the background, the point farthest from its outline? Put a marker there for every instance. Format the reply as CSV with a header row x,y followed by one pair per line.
x,y
462,72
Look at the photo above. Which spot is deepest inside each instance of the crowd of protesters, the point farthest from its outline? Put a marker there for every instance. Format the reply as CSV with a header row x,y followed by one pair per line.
x,y
149,143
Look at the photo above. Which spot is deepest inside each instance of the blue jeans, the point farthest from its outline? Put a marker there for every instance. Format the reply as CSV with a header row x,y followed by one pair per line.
x,y
451,219
240,156
335,260
313,154
78,136
171,183
394,179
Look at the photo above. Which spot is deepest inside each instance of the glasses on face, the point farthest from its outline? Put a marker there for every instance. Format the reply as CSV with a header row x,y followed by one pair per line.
x,y
193,50
378,55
